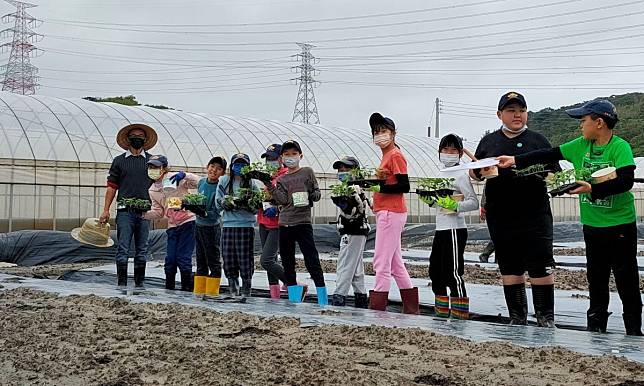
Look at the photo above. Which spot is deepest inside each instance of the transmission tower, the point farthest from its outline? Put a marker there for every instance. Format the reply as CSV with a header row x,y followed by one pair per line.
x,y
306,110
19,74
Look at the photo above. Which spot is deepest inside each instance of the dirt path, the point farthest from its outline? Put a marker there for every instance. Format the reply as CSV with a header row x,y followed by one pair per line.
x,y
83,340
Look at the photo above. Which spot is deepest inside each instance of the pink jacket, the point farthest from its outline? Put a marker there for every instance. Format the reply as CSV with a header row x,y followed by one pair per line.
x,y
159,199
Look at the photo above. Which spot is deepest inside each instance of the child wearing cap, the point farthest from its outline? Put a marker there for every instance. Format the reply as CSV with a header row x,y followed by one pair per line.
x,y
354,229
295,192
391,215
518,215
268,219
209,224
607,211
446,259
181,223
238,232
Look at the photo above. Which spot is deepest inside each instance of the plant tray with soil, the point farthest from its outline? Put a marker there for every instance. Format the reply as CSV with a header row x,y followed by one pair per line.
x,y
365,177
342,195
258,171
538,170
136,205
249,199
196,203
435,187
563,182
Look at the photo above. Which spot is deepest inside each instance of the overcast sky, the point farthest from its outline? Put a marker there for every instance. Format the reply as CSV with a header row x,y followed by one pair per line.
x,y
234,57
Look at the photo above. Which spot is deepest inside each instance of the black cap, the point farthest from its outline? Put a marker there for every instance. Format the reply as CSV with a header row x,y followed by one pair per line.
x,y
290,144
601,107
376,119
450,139
240,157
348,161
218,160
159,161
512,97
273,151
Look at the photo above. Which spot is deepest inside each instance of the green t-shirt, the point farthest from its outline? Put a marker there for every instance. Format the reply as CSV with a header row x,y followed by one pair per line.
x,y
612,210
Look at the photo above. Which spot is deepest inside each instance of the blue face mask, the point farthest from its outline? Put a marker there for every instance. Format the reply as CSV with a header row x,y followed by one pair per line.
x,y
344,176
236,168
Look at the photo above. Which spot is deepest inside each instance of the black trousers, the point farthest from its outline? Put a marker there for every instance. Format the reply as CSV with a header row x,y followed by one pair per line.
x,y
446,262
209,250
303,236
613,249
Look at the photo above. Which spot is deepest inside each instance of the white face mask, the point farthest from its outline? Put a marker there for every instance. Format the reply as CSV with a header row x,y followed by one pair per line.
x,y
274,164
154,174
383,140
291,162
449,159
514,132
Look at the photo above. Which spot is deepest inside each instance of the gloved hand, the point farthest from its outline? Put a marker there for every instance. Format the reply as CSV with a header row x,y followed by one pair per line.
x,y
175,179
198,211
228,204
270,212
448,203
266,179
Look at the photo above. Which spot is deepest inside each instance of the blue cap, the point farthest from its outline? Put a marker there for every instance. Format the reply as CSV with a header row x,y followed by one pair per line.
x,y
273,151
159,161
240,157
291,144
376,119
512,97
348,161
601,107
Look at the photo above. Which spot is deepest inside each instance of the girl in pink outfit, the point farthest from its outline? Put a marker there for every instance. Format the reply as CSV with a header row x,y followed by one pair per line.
x,y
391,215
181,223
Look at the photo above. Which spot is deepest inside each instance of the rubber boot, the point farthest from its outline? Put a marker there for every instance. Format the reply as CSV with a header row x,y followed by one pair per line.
x,y
378,300
296,293
360,300
597,321
170,281
199,285
633,324
339,300
460,308
139,275
409,298
543,298
275,291
212,286
246,289
517,301
233,287
441,306
186,281
121,275
323,297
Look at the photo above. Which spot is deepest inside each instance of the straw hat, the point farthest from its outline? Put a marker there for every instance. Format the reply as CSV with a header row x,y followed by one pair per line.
x,y
94,233
150,135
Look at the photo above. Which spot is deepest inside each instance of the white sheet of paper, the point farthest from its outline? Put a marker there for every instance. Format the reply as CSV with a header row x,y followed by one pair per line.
x,y
483,163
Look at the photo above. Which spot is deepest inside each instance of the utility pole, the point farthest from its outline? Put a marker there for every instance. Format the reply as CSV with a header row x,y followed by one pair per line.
x,y
306,109
438,113
19,74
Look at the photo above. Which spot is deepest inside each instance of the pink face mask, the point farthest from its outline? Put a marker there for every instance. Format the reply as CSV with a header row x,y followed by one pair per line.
x,y
382,140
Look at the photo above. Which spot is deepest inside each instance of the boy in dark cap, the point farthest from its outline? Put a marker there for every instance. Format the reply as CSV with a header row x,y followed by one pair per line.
x,y
607,211
518,215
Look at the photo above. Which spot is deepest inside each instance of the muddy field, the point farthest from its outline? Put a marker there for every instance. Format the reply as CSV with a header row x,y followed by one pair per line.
x,y
87,340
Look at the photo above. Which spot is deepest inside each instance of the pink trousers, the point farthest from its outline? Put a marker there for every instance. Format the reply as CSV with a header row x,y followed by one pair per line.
x,y
387,259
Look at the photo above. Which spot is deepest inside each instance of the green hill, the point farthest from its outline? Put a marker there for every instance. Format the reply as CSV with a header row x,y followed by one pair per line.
x,y
559,128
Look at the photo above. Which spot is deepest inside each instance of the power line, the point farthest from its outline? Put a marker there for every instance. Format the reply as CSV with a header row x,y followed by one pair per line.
x,y
183,90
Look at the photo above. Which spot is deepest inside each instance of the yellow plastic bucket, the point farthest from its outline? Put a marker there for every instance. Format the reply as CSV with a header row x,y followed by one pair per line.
x,y
212,286
199,285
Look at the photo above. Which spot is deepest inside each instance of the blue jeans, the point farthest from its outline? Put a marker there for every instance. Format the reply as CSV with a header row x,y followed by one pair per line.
x,y
181,245
131,226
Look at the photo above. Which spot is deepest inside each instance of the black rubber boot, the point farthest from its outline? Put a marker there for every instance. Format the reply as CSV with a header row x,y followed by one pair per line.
x,y
139,275
597,321
361,300
186,281
246,289
121,275
543,298
233,287
633,324
170,281
517,301
339,300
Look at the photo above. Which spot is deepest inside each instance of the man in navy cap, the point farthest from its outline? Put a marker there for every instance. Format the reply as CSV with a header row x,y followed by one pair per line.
x,y
607,211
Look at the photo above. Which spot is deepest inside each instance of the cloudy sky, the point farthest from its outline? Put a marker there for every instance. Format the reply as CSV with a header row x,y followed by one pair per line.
x,y
235,57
